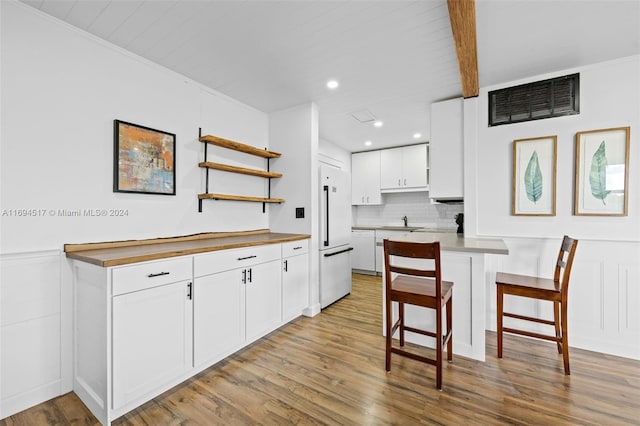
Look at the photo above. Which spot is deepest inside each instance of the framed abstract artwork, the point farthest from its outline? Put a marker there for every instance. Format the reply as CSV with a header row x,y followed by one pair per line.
x,y
602,172
144,159
534,177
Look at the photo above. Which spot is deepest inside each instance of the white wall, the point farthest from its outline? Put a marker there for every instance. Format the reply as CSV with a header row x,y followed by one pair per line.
x,y
61,90
605,290
334,155
294,132
609,97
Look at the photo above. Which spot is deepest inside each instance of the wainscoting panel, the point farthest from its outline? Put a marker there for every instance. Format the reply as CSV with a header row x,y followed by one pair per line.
x,y
604,292
31,334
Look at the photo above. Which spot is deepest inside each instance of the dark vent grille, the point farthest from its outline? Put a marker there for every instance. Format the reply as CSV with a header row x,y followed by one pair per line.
x,y
532,101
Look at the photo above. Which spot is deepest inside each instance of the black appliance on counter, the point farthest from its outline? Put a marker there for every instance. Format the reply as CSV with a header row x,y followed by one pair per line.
x,y
460,222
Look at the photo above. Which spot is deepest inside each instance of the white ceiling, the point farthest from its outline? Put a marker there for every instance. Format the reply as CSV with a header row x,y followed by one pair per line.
x,y
392,58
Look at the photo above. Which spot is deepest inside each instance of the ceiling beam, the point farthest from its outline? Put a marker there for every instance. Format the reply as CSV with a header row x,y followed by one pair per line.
x,y
462,14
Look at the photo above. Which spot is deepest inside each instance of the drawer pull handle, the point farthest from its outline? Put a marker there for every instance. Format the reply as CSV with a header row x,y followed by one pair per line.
x,y
248,257
159,274
297,248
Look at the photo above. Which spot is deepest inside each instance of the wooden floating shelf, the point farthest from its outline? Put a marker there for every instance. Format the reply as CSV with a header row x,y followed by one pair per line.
x,y
239,198
237,146
241,170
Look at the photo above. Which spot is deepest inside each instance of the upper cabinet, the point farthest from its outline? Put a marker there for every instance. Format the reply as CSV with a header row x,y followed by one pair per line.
x,y
446,150
365,178
404,169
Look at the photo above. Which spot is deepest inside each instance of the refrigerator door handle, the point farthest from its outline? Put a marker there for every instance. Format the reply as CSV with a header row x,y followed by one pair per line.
x,y
326,215
338,252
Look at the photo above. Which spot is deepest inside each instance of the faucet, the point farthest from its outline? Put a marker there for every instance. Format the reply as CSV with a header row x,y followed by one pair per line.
x,y
405,221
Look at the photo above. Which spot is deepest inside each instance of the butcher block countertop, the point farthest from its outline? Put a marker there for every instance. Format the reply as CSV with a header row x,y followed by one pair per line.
x,y
126,252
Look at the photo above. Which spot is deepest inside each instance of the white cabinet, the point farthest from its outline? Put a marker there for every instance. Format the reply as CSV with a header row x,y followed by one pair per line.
x,y
295,279
263,299
404,169
152,339
237,297
365,178
142,328
132,332
446,150
364,253
218,316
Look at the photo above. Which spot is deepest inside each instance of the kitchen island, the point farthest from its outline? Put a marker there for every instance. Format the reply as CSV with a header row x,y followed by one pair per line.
x,y
463,263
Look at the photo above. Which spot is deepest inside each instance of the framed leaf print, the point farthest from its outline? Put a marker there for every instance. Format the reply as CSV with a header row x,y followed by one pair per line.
x,y
602,172
534,176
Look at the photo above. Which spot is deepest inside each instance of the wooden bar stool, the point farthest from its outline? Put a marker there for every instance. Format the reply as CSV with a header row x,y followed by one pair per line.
x,y
419,287
554,290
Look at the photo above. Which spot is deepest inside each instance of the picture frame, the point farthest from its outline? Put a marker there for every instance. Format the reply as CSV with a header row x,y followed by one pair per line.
x,y
534,176
144,159
602,172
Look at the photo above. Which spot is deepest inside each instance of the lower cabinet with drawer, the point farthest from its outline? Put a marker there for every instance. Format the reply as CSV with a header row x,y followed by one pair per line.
x,y
142,328
133,331
295,278
237,301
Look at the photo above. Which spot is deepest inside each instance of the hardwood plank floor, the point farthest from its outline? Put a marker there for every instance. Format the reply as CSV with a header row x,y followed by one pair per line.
x,y
329,370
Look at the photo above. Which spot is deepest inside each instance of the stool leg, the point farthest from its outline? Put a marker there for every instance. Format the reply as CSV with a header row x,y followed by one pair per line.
x,y
389,316
556,319
450,329
499,311
401,314
439,346
565,339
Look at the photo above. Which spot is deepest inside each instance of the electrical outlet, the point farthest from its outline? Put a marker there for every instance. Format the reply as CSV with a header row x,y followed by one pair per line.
x,y
299,212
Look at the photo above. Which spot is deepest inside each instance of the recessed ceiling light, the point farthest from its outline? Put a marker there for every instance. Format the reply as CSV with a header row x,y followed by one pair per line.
x,y
368,143
378,123
332,84
417,135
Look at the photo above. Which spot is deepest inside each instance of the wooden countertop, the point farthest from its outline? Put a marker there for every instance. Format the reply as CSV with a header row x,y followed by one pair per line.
x,y
124,252
455,242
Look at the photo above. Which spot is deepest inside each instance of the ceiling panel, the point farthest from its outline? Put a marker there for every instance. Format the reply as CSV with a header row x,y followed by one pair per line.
x,y
393,58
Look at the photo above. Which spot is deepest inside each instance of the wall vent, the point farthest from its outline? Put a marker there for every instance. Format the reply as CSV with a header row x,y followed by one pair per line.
x,y
532,101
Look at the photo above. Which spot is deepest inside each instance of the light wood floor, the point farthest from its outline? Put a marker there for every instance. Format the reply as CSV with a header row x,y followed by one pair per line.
x,y
330,370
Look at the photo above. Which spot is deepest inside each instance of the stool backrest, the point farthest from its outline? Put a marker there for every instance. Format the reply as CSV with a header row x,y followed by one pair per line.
x,y
565,262
415,251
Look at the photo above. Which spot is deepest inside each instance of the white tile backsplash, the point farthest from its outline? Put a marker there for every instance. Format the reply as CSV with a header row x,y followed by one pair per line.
x,y
415,205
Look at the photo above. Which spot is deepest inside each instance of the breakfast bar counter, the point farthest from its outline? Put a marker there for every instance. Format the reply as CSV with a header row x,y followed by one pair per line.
x,y
463,262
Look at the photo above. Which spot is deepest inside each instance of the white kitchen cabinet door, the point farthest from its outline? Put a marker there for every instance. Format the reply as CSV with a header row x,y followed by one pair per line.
x,y
152,339
365,178
263,299
414,166
295,288
446,150
391,172
218,315
404,169
364,254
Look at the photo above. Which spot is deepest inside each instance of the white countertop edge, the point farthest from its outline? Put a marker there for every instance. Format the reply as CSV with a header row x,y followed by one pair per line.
x,y
453,242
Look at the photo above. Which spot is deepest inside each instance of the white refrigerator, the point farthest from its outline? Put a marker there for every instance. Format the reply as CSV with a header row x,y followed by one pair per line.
x,y
335,235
